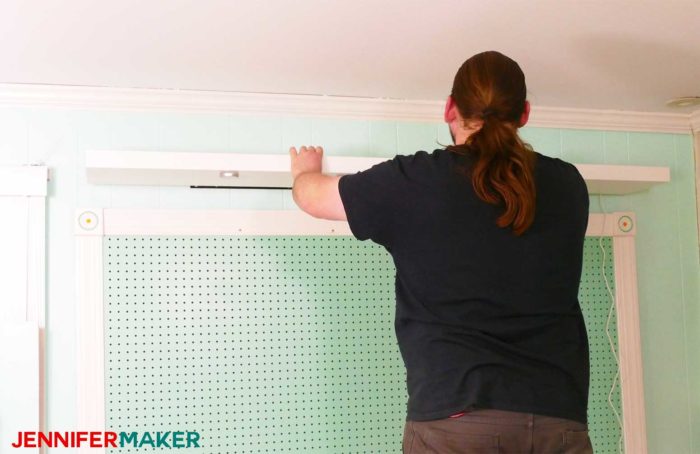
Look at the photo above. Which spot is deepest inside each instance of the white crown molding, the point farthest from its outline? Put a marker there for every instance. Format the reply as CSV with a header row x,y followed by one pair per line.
x,y
695,121
142,99
610,120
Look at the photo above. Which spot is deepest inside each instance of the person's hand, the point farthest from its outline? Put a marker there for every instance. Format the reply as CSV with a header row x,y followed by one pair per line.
x,y
307,160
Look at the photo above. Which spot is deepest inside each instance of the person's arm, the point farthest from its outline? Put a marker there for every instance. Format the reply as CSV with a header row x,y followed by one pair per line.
x,y
315,193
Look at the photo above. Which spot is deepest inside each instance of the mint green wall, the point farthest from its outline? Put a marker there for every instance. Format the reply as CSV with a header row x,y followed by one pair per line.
x,y
667,270
667,242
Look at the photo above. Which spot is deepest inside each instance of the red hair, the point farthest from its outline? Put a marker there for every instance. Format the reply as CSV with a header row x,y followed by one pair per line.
x,y
491,87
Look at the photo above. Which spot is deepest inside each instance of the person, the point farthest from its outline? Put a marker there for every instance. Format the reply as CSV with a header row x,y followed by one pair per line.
x,y
487,239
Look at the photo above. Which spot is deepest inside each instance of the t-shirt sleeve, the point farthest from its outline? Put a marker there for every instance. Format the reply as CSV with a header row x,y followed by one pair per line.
x,y
374,199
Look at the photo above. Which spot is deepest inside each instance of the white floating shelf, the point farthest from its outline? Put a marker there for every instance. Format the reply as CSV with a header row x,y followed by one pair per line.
x,y
157,168
617,179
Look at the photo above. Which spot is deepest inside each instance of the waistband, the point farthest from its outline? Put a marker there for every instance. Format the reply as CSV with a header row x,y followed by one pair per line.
x,y
489,416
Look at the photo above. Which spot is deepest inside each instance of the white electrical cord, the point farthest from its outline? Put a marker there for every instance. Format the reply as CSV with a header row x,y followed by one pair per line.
x,y
607,326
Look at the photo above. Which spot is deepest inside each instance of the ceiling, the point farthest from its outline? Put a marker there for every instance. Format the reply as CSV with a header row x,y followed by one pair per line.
x,y
609,54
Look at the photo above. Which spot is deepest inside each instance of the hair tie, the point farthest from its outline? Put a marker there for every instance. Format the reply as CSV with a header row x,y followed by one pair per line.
x,y
487,113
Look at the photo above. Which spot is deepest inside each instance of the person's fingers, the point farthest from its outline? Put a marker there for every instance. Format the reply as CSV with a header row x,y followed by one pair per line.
x,y
307,149
292,151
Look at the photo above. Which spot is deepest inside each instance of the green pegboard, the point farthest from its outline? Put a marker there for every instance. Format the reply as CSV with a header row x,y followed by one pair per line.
x,y
595,301
279,344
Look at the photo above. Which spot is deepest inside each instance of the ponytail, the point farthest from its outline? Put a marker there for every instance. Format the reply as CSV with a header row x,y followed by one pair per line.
x,y
491,87
503,173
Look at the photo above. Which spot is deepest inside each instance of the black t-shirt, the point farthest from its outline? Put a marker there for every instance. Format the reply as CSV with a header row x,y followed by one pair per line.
x,y
484,319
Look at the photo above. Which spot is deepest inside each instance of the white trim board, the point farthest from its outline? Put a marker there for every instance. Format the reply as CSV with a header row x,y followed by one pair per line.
x,y
31,183
19,382
91,225
28,186
142,99
159,168
24,180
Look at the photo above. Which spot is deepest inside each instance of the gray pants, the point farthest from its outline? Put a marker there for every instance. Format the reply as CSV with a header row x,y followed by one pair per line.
x,y
496,431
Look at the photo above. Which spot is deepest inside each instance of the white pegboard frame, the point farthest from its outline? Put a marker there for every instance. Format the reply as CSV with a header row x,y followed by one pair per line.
x,y
92,224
